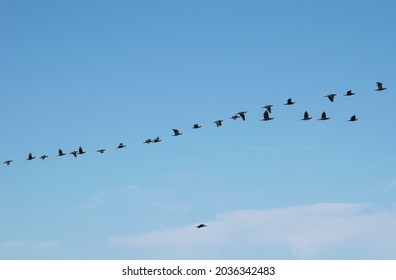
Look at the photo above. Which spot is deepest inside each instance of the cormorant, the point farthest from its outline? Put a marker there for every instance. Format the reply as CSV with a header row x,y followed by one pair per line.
x,y
43,157
30,157
353,118
289,102
306,117
201,226
268,107
176,132
61,153
349,93
242,114
266,116
218,122
121,145
331,96
8,162
324,117
380,87
195,126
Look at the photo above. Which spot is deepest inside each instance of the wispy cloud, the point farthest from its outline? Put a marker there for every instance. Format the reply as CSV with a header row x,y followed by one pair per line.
x,y
326,230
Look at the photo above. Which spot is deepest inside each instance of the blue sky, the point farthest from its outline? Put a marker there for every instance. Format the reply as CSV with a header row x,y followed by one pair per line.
x,y
97,73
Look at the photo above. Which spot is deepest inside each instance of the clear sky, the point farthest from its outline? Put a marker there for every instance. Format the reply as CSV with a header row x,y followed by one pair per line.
x,y
97,73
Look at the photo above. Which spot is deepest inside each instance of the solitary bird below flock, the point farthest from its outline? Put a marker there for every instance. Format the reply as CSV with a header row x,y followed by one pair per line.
x,y
324,117
306,117
266,116
201,226
30,157
176,132
380,87
289,102
331,96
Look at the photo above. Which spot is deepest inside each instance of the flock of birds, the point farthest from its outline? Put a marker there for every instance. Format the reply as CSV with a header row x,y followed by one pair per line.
x,y
218,123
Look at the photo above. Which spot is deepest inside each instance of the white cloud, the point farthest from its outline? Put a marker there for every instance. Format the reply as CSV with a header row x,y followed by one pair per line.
x,y
326,230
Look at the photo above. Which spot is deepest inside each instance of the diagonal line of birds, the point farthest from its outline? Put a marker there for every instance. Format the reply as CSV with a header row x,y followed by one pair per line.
x,y
240,115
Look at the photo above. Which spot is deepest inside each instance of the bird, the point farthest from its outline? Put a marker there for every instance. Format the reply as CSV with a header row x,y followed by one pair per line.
x,y
176,132
234,117
121,145
43,157
218,122
101,151
380,87
268,107
306,117
61,153
349,93
81,151
242,114
74,153
8,162
156,140
324,117
289,102
331,96
353,118
148,141
201,226
195,126
266,116
30,157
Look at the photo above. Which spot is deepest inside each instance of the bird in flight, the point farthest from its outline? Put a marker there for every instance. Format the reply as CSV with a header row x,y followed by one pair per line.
x,y
380,87
61,153
81,151
74,153
353,118
234,117
349,93
306,117
242,114
195,126
266,116
121,145
289,102
218,122
43,157
8,162
156,140
176,132
331,96
30,157
147,141
268,107
201,226
324,117
101,151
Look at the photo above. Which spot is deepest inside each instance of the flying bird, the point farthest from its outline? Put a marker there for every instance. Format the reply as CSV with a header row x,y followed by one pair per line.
x,y
148,141
289,102
8,162
331,96
268,107
101,151
81,151
242,114
234,117
380,87
121,145
201,226
195,126
176,132
61,153
156,140
74,153
306,117
324,117
353,118
266,116
349,93
43,157
30,157
218,122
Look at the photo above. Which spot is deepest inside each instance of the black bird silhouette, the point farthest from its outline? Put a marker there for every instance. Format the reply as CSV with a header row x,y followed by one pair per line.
x,y
353,118
30,157
195,126
8,162
156,140
349,93
234,117
380,87
242,114
81,151
306,117
74,153
266,116
176,132
101,151
268,107
331,96
289,102
201,226
218,122
43,157
121,145
61,153
148,141
324,117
